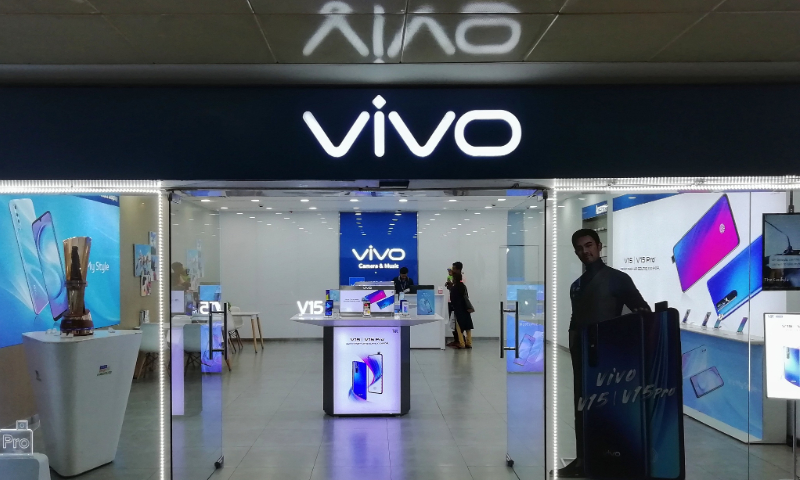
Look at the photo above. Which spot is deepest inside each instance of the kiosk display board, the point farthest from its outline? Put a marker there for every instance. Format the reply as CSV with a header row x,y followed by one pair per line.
x,y
366,371
781,256
782,339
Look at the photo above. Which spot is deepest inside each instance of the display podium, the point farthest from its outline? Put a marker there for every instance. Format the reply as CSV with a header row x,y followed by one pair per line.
x,y
366,363
81,387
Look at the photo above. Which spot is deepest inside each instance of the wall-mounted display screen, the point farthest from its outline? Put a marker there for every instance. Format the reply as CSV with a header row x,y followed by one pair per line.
x,y
373,246
781,255
366,372
32,277
782,342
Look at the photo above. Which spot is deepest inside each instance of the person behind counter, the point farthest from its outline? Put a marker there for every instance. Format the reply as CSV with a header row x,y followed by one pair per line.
x,y
402,282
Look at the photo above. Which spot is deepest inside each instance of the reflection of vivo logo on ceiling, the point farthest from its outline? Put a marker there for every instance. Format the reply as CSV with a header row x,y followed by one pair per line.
x,y
337,12
420,150
395,254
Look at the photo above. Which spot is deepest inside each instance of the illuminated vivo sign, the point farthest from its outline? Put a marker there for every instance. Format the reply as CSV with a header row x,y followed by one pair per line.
x,y
420,150
395,254
337,20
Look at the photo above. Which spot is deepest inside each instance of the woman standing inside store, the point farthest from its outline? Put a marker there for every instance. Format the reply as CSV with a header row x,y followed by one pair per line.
x,y
462,309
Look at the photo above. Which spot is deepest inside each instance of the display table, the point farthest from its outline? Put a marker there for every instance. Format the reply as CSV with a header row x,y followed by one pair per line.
x,y
430,335
734,409
81,387
366,363
254,320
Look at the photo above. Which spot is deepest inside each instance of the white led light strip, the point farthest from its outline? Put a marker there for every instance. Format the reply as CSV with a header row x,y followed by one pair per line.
x,y
114,187
554,322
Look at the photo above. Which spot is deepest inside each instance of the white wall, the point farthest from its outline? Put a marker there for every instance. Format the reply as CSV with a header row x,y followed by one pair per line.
x,y
440,246
271,265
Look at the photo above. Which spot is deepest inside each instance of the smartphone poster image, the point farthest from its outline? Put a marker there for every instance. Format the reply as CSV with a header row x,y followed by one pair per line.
x,y
52,265
525,348
686,317
22,218
385,304
375,366
706,382
328,308
359,388
705,320
375,296
738,281
710,240
791,365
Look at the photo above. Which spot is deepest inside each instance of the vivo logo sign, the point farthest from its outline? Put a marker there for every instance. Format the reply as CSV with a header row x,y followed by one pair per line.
x,y
601,208
395,254
419,149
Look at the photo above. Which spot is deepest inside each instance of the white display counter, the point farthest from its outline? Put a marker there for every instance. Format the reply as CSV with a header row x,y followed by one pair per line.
x,y
430,335
81,387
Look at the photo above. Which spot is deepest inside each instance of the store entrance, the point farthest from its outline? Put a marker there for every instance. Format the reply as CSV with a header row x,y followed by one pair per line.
x,y
275,261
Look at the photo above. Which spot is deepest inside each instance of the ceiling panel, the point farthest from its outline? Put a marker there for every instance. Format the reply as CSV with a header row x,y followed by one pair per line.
x,y
471,38
759,6
342,7
46,6
63,39
172,6
331,38
195,38
721,37
471,6
638,6
609,38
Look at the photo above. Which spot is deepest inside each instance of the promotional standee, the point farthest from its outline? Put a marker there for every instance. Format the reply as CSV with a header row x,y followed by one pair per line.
x,y
782,337
631,402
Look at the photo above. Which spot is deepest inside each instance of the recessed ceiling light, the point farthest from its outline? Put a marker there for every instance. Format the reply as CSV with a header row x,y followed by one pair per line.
x,y
469,234
427,224
330,228
175,224
269,208
534,206
561,206
353,199
239,213
398,213
301,228
477,213
391,224
223,208
254,200
355,208
207,224
474,231
205,200
581,198
252,217
488,206
452,200
458,224
287,218
437,213
403,200
453,228
501,199
269,224
324,222
260,221
312,208
303,200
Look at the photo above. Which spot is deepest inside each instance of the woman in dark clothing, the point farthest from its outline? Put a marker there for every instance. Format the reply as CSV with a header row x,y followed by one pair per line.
x,y
462,311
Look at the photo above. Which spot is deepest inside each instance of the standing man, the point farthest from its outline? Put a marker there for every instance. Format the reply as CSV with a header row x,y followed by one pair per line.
x,y
598,295
402,282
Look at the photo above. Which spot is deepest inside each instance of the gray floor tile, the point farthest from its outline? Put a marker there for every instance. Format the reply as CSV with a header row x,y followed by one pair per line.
x,y
272,473
351,473
426,472
492,473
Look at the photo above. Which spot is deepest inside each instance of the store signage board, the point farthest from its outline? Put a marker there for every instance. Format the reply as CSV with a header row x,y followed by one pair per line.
x,y
366,375
595,210
375,245
782,347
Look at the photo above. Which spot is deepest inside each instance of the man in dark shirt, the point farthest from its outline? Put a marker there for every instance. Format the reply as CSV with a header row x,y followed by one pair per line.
x,y
402,282
598,295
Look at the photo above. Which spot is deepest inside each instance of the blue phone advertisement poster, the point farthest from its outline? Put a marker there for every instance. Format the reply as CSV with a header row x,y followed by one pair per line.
x,y
366,372
425,302
32,278
374,245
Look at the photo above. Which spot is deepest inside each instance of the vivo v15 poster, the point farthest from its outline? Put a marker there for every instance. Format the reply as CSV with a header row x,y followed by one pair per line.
x,y
366,372
632,401
32,276
782,346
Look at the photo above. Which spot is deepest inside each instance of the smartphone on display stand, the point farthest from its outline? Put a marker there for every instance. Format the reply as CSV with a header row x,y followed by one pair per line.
x,y
686,317
705,320
741,325
22,218
706,382
360,379
718,322
709,241
328,308
791,365
376,373
44,235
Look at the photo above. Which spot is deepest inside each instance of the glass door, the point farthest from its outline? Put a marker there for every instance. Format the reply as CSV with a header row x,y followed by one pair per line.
x,y
197,342
522,315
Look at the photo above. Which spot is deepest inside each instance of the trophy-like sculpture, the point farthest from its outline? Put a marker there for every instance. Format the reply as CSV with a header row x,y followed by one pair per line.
x,y
77,320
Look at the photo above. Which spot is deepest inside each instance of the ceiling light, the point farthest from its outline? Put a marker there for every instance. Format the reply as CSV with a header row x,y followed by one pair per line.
x,y
391,224
353,199
223,208
403,200
269,224
252,217
398,213
477,213
176,224
312,208
534,206
427,224
269,208
260,221
488,206
239,213
287,218
561,206
453,228
207,224
303,200
254,200
205,200
581,198
469,234
355,208
437,213
358,213
458,224
301,228
501,199
324,222
452,200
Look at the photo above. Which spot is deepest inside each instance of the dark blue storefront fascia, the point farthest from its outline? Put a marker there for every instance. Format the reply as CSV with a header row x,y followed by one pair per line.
x,y
264,133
